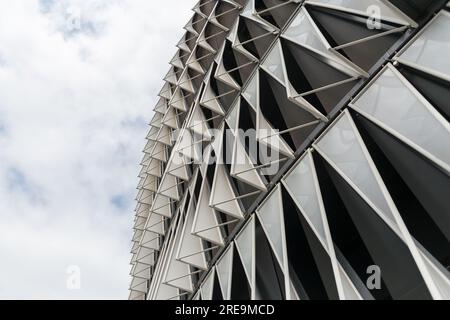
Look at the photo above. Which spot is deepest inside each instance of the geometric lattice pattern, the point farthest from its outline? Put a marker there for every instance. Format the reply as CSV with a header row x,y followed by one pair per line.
x,y
350,199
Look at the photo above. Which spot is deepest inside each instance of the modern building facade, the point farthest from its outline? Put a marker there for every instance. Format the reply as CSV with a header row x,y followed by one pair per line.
x,y
300,150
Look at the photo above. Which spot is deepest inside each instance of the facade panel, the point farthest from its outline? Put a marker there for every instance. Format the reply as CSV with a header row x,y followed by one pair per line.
x,y
299,150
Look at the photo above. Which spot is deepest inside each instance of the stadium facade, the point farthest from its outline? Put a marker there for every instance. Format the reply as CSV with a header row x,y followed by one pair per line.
x,y
300,150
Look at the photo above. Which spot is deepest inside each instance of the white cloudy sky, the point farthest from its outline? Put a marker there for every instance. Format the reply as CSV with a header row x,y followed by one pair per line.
x,y
73,111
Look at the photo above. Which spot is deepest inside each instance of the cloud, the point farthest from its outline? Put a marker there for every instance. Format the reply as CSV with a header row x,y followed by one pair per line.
x,y
78,83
